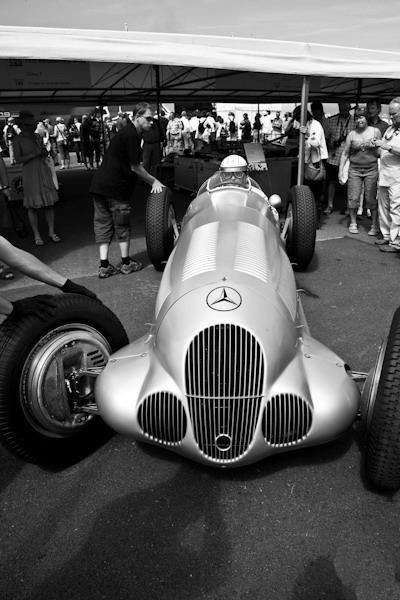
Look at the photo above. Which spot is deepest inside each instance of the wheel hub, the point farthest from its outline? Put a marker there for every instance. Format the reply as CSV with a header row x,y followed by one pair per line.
x,y
57,380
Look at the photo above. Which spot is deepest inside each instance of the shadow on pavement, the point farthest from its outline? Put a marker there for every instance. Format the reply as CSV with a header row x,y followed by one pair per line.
x,y
165,542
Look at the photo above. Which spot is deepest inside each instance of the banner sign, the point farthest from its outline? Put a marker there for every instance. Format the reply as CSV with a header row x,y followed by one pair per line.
x,y
21,74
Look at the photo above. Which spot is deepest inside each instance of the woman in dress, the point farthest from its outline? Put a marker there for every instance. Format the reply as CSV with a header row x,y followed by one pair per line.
x,y
39,187
360,151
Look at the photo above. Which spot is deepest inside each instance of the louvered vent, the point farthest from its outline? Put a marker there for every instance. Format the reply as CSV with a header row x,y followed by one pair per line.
x,y
288,420
162,417
224,374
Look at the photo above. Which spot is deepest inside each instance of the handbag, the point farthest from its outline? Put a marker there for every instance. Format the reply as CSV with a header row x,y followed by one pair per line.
x,y
314,171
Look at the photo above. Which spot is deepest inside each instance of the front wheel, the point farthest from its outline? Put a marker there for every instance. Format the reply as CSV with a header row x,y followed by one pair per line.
x,y
300,226
161,228
47,374
381,413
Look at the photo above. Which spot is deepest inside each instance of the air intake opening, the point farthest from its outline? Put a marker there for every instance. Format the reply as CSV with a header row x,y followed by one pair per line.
x,y
287,420
162,417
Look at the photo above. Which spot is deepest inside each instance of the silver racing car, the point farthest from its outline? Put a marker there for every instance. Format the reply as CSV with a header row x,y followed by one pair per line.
x,y
228,374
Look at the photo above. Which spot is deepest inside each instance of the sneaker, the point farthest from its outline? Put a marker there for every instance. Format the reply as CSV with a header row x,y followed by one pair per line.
x,y
132,267
381,242
390,248
373,231
353,228
105,272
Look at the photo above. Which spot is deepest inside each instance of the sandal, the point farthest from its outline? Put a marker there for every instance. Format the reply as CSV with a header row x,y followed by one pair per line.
x,y
6,273
353,228
39,241
55,238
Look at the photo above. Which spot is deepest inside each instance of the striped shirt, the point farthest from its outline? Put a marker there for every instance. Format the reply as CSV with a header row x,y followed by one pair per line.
x,y
338,129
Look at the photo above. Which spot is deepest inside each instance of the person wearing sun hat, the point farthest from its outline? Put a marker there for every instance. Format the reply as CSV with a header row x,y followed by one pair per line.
x,y
38,183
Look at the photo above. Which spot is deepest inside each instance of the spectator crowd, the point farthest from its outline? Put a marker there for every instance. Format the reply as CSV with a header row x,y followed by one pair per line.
x,y
356,153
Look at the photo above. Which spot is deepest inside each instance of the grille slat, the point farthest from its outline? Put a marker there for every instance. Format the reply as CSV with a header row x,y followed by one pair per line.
x,y
287,420
162,418
224,377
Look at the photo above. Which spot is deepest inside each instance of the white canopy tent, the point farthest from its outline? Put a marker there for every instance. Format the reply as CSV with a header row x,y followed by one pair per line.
x,y
99,66
103,67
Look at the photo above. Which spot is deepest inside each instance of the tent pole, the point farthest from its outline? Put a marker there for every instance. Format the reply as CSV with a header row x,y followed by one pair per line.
x,y
158,96
303,121
359,90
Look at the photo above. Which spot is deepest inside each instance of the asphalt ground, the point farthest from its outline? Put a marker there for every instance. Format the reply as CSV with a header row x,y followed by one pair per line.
x,y
132,521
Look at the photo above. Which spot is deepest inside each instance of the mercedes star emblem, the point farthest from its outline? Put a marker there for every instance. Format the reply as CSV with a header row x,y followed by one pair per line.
x,y
224,299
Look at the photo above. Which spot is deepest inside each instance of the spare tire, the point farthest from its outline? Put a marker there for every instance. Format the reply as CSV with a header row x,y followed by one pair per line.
x,y
381,413
42,419
302,226
161,227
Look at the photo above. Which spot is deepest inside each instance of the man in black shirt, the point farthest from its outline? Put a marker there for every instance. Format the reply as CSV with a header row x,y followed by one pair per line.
x,y
112,187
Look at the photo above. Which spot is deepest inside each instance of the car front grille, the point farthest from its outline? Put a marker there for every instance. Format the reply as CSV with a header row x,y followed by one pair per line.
x,y
162,418
224,377
287,420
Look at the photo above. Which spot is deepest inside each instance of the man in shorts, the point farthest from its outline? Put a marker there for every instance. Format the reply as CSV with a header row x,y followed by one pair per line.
x,y
112,187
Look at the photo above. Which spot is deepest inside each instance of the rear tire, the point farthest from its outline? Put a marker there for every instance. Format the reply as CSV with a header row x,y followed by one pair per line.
x,y
160,227
38,421
302,230
382,415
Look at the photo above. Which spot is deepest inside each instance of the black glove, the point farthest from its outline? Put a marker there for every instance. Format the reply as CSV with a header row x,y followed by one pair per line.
x,y
70,287
40,306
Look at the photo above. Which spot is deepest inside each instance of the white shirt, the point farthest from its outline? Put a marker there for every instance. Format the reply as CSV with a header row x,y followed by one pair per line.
x,y
389,170
266,124
211,122
315,147
185,123
193,123
61,131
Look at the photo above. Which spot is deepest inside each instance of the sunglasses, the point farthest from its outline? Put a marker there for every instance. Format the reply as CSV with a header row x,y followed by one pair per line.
x,y
389,134
149,119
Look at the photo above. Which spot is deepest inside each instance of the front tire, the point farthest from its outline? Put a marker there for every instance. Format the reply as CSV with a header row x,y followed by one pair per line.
x,y
42,419
382,414
161,227
302,226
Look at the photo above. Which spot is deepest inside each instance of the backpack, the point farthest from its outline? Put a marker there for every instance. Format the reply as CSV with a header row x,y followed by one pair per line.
x,y
201,128
223,133
232,126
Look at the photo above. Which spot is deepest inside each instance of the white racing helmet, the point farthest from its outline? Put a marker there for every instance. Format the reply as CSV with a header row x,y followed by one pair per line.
x,y
233,164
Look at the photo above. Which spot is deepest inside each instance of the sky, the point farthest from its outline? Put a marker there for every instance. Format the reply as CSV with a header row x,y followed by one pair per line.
x,y
339,22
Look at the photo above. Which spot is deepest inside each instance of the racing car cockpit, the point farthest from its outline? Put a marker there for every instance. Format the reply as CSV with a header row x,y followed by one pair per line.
x,y
233,172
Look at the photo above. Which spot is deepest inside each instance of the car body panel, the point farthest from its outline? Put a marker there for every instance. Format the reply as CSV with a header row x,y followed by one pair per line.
x,y
229,373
